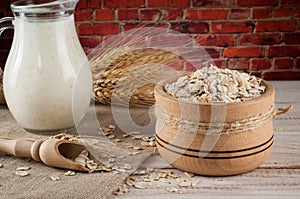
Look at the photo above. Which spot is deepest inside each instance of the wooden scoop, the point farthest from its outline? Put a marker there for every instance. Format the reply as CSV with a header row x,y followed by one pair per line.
x,y
52,152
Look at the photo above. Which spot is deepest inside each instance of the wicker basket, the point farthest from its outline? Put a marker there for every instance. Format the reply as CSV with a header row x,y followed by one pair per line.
x,y
114,65
2,100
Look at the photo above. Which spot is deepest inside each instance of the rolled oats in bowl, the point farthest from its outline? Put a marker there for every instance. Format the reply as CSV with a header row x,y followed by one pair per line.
x,y
214,85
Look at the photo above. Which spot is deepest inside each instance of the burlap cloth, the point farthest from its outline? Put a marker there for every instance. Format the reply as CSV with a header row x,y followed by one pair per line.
x,y
39,185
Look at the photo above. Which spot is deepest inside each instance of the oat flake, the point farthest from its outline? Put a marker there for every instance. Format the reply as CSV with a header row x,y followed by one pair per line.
x,y
214,85
22,173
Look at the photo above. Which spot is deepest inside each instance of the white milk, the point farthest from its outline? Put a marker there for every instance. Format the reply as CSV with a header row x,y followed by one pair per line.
x,y
41,71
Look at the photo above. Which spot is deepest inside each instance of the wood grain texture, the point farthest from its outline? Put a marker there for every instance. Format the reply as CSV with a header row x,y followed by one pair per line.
x,y
260,183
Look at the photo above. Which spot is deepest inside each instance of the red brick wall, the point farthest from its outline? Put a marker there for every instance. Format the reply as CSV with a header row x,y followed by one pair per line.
x,y
261,36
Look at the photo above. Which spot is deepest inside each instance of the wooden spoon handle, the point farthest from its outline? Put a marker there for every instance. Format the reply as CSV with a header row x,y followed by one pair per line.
x,y
24,148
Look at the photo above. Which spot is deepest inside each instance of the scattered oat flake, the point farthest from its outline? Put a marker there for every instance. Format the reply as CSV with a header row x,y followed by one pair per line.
x,y
112,127
125,135
140,172
25,168
22,173
55,178
117,140
70,173
137,148
135,153
139,186
171,189
130,182
1,165
184,183
138,136
111,136
121,190
172,175
190,175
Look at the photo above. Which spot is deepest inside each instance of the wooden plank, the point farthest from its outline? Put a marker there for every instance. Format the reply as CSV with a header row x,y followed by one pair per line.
x,y
261,183
286,91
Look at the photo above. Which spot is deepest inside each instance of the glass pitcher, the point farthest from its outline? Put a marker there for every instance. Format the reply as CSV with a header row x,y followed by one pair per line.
x,y
44,65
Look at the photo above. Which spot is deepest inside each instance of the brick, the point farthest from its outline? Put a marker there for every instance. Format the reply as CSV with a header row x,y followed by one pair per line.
x,y
232,27
129,26
3,55
233,52
289,2
259,39
169,3
292,38
283,63
5,43
127,14
240,13
283,12
123,3
201,3
172,40
216,40
4,4
195,64
121,40
256,2
272,26
297,12
82,4
281,75
220,63
192,27
152,15
102,29
211,14
200,54
83,15
213,52
261,13
93,3
297,63
88,41
104,15
238,64
258,64
172,14
284,51
177,65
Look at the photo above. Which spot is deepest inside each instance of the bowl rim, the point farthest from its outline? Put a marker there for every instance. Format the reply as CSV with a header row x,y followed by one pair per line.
x,y
159,89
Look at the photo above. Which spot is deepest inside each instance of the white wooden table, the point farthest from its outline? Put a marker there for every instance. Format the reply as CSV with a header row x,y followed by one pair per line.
x,y
277,177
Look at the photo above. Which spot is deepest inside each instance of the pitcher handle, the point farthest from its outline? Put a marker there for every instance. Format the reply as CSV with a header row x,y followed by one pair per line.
x,y
6,19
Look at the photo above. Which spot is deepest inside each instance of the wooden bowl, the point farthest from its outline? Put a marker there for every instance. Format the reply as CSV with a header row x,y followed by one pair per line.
x,y
214,151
